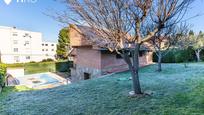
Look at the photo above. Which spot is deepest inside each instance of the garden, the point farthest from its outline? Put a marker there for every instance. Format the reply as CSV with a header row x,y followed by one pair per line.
x,y
176,90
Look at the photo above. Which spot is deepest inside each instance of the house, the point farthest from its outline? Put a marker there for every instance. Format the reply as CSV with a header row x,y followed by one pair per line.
x,y
90,61
21,46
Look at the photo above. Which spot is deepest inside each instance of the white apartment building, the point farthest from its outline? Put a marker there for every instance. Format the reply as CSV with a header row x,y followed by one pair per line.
x,y
20,46
49,50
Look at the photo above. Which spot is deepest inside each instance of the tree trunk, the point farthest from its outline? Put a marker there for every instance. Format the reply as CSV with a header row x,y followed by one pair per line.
x,y
159,62
198,55
134,68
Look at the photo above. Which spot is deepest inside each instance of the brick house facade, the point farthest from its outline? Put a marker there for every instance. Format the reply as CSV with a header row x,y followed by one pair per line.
x,y
90,61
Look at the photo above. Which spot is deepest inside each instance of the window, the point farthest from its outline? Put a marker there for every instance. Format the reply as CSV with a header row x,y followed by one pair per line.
x,y
118,56
15,34
27,57
27,35
15,41
16,59
26,43
142,53
46,44
46,49
53,50
42,44
43,50
52,45
15,49
87,76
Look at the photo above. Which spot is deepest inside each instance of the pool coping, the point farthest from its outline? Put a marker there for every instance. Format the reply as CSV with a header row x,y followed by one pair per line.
x,y
61,81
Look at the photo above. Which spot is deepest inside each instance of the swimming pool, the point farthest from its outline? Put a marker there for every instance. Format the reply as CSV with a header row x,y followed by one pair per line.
x,y
42,80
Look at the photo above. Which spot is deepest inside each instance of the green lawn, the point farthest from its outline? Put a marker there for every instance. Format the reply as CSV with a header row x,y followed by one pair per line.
x,y
176,91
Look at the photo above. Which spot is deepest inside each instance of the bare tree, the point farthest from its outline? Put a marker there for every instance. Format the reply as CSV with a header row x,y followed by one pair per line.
x,y
124,25
183,40
162,42
198,43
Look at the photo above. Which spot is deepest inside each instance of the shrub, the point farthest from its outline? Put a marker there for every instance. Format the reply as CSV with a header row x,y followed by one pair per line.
x,y
202,55
2,74
168,58
32,62
48,60
63,66
177,56
16,65
187,55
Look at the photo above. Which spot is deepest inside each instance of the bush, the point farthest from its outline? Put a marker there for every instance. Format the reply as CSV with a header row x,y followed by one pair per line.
x,y
32,62
177,56
16,65
202,55
63,66
2,74
168,58
48,60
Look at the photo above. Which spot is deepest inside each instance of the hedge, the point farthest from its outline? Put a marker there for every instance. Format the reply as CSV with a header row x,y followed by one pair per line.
x,y
177,56
63,66
40,67
2,74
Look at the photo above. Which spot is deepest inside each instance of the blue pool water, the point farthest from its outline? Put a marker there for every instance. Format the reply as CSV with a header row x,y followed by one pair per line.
x,y
39,79
42,80
47,78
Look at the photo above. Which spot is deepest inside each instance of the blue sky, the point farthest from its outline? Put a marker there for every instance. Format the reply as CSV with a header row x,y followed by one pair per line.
x,y
29,16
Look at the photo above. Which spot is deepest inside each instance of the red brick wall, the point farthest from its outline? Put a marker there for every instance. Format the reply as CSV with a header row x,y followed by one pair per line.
x,y
88,57
109,62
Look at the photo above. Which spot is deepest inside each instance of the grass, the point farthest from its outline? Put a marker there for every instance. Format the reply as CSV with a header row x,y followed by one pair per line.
x,y
176,91
6,91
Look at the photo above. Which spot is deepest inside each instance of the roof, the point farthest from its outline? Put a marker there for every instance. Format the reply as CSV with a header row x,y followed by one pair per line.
x,y
18,29
91,35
